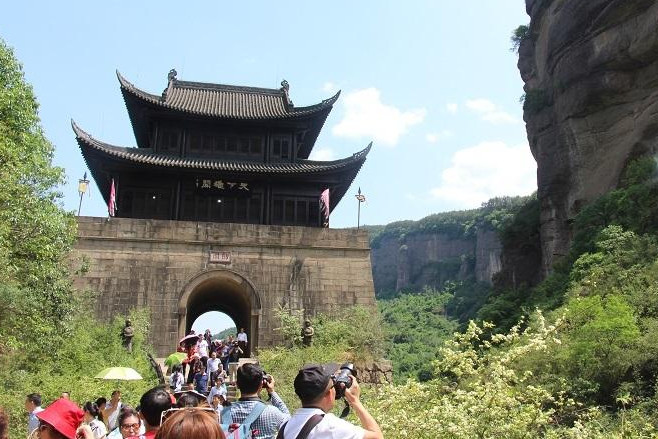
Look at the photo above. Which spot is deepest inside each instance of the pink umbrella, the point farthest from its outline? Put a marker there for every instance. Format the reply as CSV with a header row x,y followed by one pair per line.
x,y
189,339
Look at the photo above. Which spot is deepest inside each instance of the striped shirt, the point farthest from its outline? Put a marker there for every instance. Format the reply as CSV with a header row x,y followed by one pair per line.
x,y
268,422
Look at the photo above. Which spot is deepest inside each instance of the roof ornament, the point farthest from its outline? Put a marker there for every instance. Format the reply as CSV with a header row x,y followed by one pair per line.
x,y
171,77
285,88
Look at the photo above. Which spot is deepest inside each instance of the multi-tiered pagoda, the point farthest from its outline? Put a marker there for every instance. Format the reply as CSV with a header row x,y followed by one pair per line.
x,y
221,153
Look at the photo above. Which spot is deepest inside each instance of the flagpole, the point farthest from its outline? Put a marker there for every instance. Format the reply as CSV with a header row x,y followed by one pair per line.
x,y
358,217
83,184
360,198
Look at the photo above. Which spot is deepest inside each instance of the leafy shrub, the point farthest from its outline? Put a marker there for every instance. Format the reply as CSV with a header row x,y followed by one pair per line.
x,y
48,343
71,366
357,330
519,34
477,393
416,326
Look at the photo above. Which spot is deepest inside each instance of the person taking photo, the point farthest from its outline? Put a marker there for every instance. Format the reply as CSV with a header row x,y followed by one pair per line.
x,y
315,387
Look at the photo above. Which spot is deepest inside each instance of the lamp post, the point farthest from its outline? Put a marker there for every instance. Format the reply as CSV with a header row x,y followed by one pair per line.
x,y
360,198
83,185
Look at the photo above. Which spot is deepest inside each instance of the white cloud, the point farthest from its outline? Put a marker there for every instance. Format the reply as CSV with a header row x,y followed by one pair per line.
x,y
435,137
499,117
487,170
490,112
366,116
481,105
322,154
452,108
329,87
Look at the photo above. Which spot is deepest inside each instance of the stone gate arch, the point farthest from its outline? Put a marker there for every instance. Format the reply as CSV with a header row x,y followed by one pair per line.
x,y
224,290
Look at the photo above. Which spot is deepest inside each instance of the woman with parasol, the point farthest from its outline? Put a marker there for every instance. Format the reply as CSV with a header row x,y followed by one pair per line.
x,y
189,345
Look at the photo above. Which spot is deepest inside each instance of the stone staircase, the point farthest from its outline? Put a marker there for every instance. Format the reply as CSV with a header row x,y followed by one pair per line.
x,y
233,393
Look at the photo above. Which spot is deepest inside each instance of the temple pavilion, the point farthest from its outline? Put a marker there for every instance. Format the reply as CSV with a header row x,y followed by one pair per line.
x,y
219,153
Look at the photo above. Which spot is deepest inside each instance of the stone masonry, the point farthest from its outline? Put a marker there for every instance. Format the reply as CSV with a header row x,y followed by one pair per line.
x,y
181,269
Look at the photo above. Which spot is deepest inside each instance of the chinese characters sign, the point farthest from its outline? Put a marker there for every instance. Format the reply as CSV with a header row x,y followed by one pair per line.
x,y
217,185
217,257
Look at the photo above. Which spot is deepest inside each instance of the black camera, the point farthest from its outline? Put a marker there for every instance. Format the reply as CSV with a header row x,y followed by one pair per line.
x,y
267,378
345,375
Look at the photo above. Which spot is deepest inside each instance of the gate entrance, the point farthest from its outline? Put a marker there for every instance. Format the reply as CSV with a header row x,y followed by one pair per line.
x,y
221,290
217,321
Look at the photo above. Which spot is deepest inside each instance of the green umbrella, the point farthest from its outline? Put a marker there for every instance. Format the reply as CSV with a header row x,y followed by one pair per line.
x,y
174,359
119,374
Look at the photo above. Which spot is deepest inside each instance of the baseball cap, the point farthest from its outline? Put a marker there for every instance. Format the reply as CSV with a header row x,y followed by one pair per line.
x,y
312,380
64,416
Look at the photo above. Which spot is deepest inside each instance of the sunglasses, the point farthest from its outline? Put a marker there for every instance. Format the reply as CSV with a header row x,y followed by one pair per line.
x,y
167,413
134,426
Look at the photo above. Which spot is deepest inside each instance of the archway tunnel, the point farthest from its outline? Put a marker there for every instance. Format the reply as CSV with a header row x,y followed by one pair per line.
x,y
224,294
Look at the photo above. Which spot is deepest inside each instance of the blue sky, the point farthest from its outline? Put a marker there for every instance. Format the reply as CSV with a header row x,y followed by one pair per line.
x,y
214,320
432,83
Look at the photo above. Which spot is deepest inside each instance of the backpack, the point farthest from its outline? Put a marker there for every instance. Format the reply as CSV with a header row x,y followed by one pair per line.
x,y
240,431
306,428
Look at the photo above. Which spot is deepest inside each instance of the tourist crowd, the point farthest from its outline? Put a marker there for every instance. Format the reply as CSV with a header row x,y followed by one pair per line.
x,y
206,359
170,412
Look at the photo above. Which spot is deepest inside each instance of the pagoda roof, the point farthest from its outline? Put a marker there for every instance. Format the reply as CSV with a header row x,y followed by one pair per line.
x,y
226,101
146,156
219,102
103,159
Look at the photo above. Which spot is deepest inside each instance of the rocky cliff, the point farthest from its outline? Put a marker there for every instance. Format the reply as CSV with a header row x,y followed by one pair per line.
x,y
591,81
430,259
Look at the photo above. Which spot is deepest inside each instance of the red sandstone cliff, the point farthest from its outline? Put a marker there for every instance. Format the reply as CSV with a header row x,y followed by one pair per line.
x,y
591,79
430,259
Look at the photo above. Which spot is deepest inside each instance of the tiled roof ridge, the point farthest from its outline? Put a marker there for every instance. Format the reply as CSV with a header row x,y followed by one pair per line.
x,y
227,87
324,104
131,87
145,155
356,156
287,109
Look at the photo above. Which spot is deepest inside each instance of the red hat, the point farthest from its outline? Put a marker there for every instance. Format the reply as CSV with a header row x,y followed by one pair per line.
x,y
64,416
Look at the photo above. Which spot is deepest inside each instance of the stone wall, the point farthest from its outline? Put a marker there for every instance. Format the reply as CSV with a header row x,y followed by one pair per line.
x,y
151,263
375,372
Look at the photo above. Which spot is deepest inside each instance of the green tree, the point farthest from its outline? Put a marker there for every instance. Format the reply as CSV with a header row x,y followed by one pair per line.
x,y
36,234
417,327
48,340
599,343
518,35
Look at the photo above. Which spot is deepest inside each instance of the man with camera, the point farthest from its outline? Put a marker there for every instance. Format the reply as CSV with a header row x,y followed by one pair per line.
x,y
318,387
251,380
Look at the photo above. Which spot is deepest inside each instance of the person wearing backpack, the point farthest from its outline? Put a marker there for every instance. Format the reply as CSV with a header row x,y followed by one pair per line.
x,y
315,385
250,417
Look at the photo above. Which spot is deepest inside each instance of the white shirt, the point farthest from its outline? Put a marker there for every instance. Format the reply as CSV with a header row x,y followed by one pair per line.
x,y
112,419
331,426
202,348
176,381
242,336
98,429
221,391
213,365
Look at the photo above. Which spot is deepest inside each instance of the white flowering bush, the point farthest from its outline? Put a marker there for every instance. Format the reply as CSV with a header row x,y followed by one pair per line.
x,y
483,387
478,392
